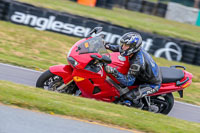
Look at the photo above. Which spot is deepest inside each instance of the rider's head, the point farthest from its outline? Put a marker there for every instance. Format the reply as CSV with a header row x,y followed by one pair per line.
x,y
130,43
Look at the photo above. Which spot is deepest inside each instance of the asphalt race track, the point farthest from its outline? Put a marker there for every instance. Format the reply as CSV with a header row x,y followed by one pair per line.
x,y
15,120
25,76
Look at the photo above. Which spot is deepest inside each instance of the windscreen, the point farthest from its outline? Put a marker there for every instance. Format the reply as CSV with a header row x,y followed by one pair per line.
x,y
93,45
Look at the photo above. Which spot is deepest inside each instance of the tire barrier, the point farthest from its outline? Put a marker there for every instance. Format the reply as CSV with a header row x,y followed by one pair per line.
x,y
148,7
161,10
144,6
105,4
3,9
78,26
188,53
134,5
120,3
1,12
197,55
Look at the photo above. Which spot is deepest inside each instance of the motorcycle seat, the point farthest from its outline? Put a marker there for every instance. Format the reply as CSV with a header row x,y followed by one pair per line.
x,y
171,74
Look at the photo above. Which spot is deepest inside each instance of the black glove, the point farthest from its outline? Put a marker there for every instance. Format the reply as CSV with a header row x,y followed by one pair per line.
x,y
111,70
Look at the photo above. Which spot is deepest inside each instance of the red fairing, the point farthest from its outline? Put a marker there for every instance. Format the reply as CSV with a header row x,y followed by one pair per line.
x,y
64,71
107,92
121,66
172,87
95,80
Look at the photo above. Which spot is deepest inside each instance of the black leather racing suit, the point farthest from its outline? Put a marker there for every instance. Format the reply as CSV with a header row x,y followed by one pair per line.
x,y
144,69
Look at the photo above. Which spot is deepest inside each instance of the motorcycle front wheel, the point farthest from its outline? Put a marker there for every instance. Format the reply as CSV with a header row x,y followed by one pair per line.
x,y
51,82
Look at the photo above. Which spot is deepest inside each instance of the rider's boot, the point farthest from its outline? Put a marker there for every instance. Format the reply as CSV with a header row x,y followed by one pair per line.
x,y
135,95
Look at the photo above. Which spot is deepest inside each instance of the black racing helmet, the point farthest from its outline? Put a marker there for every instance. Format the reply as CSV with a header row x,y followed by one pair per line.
x,y
131,39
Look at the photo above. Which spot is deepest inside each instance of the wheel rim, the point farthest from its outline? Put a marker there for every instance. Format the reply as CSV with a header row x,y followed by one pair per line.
x,y
52,83
162,102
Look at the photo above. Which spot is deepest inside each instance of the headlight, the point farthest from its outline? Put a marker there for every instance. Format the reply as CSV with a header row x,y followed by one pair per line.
x,y
72,61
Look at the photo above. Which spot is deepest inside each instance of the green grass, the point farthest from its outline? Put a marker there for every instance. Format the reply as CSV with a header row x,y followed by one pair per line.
x,y
155,1
191,94
27,47
31,48
125,18
51,102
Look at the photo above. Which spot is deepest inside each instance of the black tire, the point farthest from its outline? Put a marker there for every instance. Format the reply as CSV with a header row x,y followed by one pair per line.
x,y
43,77
51,82
168,99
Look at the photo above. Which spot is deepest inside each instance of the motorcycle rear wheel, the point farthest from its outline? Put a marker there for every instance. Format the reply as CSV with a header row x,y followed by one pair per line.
x,y
164,102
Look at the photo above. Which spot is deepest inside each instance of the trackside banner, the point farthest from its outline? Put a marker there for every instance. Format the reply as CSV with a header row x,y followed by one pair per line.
x,y
51,23
68,24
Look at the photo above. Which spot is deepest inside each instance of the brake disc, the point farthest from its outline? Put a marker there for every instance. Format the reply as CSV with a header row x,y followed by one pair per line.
x,y
54,85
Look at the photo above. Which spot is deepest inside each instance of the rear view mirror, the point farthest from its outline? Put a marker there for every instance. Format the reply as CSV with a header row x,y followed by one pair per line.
x,y
95,57
106,59
96,30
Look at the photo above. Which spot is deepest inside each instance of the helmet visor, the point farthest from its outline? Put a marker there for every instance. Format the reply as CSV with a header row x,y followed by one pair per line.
x,y
125,46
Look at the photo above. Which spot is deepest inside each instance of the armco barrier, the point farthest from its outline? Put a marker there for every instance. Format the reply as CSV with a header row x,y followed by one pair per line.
x,y
73,25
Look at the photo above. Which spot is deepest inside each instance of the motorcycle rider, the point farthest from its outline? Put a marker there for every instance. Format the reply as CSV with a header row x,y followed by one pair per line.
x,y
142,67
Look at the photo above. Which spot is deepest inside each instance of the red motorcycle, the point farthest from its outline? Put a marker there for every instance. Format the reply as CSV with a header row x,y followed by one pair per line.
x,y
85,76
